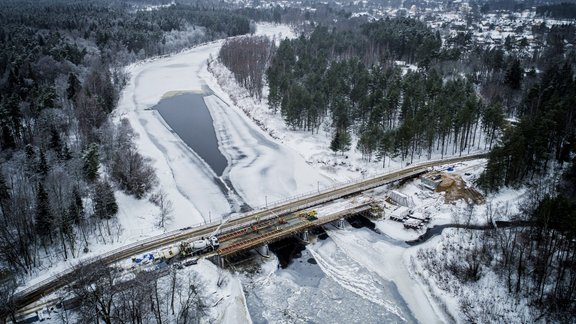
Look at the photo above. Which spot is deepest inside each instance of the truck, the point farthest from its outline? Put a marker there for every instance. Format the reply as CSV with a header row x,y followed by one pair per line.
x,y
167,253
204,244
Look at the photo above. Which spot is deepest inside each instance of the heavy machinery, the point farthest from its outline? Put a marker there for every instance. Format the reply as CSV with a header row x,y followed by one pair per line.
x,y
205,244
309,215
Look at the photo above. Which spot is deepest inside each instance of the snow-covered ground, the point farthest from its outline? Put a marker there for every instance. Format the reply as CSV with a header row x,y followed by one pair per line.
x,y
314,147
324,285
485,301
259,169
357,275
262,168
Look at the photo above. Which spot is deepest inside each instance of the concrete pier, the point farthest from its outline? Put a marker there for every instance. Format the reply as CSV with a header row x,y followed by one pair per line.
x,y
264,250
340,223
219,261
304,235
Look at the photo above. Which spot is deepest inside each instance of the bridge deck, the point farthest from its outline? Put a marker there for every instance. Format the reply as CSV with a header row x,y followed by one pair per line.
x,y
271,230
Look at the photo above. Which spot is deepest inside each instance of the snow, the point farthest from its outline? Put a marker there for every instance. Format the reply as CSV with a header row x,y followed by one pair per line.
x,y
488,299
184,177
387,261
260,167
222,293
361,268
335,290
366,274
314,147
353,277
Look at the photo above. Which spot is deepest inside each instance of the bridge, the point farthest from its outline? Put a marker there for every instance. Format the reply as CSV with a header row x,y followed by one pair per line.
x,y
235,234
260,233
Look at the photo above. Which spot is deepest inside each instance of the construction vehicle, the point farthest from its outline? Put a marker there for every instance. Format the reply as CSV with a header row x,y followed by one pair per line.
x,y
204,244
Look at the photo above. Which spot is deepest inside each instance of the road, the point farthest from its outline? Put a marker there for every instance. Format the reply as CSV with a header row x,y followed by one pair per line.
x,y
43,288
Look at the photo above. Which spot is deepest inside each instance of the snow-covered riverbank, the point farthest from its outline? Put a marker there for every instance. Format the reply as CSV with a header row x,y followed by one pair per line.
x,y
374,282
261,169
365,274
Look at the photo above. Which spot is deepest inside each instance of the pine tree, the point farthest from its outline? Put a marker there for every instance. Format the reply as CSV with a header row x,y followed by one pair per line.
x,y
91,162
341,141
76,208
43,166
66,153
55,141
105,206
66,227
335,143
74,86
514,75
44,219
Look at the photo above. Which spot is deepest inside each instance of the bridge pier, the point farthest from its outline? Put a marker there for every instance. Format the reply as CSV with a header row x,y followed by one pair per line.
x,y
264,250
339,223
219,261
304,236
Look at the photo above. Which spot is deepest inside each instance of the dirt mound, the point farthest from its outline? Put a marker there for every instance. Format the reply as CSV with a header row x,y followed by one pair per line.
x,y
445,184
455,188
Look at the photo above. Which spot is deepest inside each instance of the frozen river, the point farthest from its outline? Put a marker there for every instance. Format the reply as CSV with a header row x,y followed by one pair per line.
x,y
350,282
324,285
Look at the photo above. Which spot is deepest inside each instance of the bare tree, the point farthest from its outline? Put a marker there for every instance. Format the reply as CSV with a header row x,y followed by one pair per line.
x,y
113,295
130,169
7,305
160,199
247,58
95,290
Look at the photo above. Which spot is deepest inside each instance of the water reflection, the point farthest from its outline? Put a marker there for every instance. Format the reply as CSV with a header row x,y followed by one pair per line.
x,y
189,117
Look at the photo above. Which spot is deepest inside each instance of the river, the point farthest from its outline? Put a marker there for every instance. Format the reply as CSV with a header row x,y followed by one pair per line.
x,y
189,117
211,170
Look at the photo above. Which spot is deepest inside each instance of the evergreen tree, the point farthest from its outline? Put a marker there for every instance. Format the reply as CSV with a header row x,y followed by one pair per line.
x,y
514,75
66,224
341,141
105,206
43,166
335,143
4,196
7,139
55,141
74,86
385,147
66,153
91,162
76,208
44,219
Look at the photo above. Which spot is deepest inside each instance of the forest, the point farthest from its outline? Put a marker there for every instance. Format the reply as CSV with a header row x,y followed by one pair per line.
x,y
61,156
393,88
338,75
397,90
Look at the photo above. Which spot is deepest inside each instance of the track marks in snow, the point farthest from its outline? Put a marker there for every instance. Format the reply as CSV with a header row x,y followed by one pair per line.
x,y
352,276
387,261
